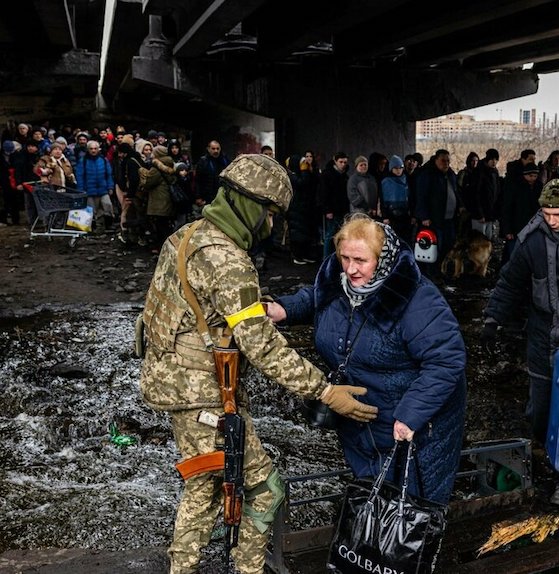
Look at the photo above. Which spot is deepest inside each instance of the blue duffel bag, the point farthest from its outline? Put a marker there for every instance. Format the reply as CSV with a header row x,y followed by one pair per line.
x,y
552,442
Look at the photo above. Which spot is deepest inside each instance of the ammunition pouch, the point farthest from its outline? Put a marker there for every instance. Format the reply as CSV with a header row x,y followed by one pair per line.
x,y
273,484
192,353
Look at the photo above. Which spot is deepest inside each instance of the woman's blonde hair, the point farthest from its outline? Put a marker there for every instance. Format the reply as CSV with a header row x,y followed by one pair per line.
x,y
361,226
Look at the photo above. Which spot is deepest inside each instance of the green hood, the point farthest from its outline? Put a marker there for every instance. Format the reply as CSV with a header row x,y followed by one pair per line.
x,y
240,229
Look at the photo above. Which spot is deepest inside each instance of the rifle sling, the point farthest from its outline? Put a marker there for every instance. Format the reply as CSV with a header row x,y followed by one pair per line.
x,y
200,463
185,250
215,460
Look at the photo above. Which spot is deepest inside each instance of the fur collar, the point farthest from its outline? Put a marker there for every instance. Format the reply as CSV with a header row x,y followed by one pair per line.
x,y
387,304
165,164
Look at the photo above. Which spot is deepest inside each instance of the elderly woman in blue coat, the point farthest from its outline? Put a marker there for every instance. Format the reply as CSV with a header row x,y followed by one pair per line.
x,y
395,334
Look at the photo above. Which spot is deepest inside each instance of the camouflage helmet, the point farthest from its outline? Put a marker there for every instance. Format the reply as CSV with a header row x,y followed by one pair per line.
x,y
550,194
259,177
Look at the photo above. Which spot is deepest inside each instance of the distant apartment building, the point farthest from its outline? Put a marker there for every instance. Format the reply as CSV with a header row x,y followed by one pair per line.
x,y
465,127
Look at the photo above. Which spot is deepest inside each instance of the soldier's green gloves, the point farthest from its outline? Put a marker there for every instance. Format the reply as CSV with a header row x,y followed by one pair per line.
x,y
340,399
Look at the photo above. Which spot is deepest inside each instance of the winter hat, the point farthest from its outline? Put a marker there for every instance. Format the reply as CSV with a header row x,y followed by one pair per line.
x,y
180,165
549,196
152,134
56,145
360,159
61,140
140,144
491,153
160,151
395,161
8,147
530,168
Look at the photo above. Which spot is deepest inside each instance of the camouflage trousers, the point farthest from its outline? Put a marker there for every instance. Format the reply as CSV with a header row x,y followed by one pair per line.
x,y
202,499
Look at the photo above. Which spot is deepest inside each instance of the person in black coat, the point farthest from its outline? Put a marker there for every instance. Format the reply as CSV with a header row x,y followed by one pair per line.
x,y
24,162
12,197
133,219
437,203
486,188
531,274
520,204
301,210
333,199
206,173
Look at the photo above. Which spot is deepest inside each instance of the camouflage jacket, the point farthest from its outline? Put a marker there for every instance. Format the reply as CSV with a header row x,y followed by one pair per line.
x,y
178,372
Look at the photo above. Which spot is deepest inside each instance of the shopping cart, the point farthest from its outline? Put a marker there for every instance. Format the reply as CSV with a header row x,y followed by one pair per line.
x,y
53,206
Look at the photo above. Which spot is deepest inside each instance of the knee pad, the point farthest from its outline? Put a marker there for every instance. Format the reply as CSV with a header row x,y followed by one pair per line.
x,y
263,519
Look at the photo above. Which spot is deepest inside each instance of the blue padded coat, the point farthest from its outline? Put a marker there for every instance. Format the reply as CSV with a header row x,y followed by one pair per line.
x,y
410,355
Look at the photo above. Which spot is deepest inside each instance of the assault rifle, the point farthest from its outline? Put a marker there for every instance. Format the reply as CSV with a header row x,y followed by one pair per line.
x,y
227,371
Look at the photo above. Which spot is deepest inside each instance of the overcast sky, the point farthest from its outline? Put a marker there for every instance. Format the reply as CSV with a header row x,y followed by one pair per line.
x,y
545,100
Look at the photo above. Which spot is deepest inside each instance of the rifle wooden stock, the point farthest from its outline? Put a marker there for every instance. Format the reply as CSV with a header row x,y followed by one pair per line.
x,y
233,505
227,372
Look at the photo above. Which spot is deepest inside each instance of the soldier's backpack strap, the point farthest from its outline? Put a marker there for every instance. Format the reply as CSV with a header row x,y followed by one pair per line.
x,y
184,251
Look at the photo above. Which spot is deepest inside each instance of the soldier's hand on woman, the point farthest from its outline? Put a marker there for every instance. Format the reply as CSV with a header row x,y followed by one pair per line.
x,y
340,399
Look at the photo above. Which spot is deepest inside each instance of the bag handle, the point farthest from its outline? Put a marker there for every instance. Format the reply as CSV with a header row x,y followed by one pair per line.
x,y
382,475
402,498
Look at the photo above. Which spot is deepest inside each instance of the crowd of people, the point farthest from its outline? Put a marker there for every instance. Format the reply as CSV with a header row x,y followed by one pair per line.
x,y
140,186
145,186
381,325
410,195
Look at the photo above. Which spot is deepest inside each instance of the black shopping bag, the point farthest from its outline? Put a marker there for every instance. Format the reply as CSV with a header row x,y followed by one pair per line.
x,y
383,529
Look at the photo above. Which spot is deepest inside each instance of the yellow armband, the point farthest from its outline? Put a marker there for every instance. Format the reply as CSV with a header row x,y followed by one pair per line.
x,y
254,310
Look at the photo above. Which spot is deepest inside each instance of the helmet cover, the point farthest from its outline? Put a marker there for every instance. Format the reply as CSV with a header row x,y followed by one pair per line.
x,y
259,177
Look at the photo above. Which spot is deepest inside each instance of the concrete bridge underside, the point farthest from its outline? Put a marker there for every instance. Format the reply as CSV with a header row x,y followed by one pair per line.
x,y
355,79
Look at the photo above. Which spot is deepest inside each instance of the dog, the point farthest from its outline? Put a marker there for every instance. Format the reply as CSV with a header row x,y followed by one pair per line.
x,y
469,254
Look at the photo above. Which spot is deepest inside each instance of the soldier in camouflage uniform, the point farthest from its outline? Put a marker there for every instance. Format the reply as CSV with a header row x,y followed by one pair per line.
x,y
178,373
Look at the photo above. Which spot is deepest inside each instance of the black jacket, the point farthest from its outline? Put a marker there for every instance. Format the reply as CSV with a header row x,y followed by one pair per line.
x,y
206,178
333,191
527,278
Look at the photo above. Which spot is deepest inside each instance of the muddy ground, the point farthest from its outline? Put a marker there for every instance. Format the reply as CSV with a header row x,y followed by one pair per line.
x,y
98,269
48,275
